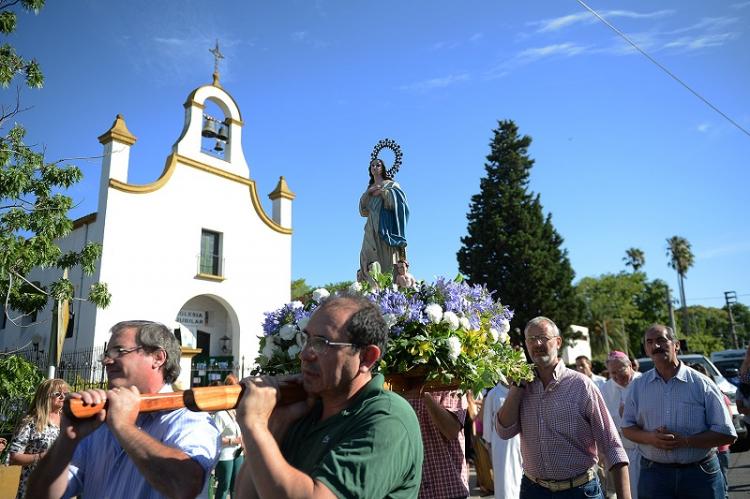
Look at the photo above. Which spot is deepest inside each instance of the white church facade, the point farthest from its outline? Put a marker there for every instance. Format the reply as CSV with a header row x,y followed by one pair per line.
x,y
194,249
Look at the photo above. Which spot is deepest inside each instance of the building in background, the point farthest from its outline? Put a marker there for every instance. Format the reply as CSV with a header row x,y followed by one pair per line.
x,y
194,249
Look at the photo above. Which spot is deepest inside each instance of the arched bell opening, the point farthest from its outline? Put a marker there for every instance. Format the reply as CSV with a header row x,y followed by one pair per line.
x,y
215,130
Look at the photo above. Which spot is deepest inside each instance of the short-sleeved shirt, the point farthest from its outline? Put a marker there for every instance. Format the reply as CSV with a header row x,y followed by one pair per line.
x,y
444,472
688,404
101,467
371,449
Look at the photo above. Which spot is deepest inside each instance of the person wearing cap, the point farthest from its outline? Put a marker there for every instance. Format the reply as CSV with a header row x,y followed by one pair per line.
x,y
678,418
562,420
614,391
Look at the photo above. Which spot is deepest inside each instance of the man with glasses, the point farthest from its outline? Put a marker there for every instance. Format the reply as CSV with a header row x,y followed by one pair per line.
x,y
677,417
615,391
351,438
562,420
167,453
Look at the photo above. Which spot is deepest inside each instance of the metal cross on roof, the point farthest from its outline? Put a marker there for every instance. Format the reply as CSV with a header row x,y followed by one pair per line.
x,y
217,56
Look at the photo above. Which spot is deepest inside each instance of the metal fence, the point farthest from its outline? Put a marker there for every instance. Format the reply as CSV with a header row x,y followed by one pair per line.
x,y
80,369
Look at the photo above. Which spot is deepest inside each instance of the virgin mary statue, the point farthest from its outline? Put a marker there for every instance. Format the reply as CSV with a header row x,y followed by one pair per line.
x,y
384,204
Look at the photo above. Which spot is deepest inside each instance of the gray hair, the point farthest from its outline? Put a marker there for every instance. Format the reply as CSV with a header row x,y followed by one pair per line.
x,y
539,321
153,336
661,327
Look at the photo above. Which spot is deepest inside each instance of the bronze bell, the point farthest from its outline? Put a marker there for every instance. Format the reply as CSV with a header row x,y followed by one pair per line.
x,y
222,133
219,147
209,128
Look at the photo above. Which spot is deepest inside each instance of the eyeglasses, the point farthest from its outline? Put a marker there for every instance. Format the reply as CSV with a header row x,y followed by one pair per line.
x,y
58,395
539,339
116,353
320,345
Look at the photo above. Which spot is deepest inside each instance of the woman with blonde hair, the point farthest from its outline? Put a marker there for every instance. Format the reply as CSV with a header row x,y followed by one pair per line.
x,y
39,429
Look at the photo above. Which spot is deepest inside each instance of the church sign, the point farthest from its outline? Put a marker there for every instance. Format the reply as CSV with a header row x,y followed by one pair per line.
x,y
191,317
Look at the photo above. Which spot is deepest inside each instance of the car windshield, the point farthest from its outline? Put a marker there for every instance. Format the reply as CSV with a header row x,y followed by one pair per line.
x,y
723,365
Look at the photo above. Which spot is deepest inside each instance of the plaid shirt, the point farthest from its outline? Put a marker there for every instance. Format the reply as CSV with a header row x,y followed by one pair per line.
x,y
444,471
562,426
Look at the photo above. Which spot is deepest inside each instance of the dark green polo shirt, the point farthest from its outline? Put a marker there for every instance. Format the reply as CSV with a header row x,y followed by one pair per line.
x,y
371,449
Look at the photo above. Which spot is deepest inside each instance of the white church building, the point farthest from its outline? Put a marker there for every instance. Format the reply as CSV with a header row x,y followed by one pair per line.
x,y
194,249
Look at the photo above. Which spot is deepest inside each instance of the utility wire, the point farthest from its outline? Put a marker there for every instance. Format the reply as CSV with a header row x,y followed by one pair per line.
x,y
660,66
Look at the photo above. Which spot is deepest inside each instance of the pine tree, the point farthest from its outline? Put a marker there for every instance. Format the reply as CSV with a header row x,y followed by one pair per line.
x,y
511,246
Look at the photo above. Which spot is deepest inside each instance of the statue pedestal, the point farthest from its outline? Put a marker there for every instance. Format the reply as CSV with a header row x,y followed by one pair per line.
x,y
185,380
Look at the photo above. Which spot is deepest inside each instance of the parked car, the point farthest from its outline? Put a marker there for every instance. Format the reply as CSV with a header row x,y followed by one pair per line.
x,y
740,424
728,363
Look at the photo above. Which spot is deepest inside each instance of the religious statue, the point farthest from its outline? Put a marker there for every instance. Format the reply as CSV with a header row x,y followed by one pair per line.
x,y
384,204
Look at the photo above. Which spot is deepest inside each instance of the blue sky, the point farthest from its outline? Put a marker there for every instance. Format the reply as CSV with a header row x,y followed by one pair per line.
x,y
625,156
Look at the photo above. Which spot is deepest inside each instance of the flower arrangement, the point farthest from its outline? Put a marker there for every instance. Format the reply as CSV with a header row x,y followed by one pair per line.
x,y
448,332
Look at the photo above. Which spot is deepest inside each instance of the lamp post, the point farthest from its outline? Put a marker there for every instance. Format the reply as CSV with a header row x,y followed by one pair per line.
x,y
731,299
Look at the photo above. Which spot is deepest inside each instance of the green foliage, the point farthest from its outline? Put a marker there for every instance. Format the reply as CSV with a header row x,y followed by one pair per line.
x,y
714,322
19,379
299,289
333,287
624,305
704,343
511,245
33,211
634,258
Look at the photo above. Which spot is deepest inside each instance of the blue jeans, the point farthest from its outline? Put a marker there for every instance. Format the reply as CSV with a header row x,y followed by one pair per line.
x,y
531,490
659,481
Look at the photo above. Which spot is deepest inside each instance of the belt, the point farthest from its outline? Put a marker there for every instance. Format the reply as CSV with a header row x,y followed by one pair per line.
x,y
682,465
560,485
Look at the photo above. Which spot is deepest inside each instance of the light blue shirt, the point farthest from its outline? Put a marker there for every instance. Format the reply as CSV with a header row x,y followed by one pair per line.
x,y
101,468
688,404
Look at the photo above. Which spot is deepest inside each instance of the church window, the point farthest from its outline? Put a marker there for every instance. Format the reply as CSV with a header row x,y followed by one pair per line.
x,y
210,261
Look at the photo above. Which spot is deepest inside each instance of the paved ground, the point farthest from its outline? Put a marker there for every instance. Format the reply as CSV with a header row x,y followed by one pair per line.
x,y
739,477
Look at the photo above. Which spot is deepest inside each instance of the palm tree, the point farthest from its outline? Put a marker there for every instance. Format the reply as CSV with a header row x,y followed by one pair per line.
x,y
680,259
634,257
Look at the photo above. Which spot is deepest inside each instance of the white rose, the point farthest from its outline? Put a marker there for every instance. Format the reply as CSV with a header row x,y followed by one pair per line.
x,y
287,331
269,349
355,287
293,351
302,323
390,320
505,338
297,304
451,319
464,322
298,340
320,294
454,347
504,326
434,312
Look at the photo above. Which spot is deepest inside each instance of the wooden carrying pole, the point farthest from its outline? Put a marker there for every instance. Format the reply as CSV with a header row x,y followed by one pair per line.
x,y
209,398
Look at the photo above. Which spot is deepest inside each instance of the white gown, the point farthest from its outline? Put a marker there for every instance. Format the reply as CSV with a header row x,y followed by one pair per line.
x,y
506,454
